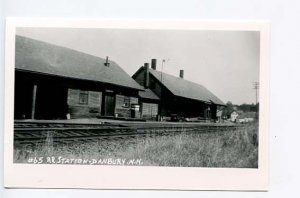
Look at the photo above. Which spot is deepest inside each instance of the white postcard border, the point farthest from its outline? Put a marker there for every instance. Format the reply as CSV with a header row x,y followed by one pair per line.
x,y
133,177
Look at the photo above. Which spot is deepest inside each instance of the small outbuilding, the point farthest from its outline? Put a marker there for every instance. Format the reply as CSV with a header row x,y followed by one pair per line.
x,y
149,102
234,116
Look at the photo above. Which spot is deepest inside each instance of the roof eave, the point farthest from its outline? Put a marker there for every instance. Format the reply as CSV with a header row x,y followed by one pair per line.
x,y
68,77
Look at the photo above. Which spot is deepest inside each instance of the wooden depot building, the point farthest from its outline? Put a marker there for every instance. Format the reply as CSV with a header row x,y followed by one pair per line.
x,y
53,82
177,96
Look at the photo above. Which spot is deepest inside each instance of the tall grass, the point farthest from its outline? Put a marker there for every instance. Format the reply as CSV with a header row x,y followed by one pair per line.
x,y
222,149
233,148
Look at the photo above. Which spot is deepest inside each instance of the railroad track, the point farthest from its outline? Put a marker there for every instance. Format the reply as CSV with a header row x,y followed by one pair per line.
x,y
31,133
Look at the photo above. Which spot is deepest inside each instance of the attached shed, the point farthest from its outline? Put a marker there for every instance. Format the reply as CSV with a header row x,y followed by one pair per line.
x,y
179,96
54,82
149,102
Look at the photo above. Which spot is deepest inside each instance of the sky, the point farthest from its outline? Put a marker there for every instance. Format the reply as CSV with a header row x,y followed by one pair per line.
x,y
225,62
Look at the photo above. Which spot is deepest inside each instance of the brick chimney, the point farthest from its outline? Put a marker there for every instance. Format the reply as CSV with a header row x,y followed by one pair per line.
x,y
146,77
181,73
106,62
153,64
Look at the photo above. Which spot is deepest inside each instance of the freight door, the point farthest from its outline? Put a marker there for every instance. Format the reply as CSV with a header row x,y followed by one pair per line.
x,y
109,105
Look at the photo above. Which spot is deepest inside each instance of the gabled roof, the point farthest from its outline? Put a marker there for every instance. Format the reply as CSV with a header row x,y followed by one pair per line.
x,y
183,88
148,94
37,56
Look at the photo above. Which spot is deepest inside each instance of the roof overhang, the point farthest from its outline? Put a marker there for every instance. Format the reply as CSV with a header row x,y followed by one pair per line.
x,y
73,78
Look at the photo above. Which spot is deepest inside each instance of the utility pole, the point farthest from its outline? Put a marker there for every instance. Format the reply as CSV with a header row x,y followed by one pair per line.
x,y
256,87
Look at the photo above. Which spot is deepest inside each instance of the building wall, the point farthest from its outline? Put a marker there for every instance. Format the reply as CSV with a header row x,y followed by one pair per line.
x,y
149,111
171,104
153,83
122,108
78,109
140,78
123,105
93,107
155,86
56,97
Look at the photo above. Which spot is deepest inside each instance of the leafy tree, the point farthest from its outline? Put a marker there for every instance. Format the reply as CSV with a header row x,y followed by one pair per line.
x,y
248,107
228,109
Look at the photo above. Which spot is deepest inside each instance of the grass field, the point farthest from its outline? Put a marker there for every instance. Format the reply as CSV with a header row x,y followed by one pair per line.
x,y
237,149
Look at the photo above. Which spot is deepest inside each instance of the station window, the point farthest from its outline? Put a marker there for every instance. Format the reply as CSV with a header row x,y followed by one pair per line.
x,y
83,97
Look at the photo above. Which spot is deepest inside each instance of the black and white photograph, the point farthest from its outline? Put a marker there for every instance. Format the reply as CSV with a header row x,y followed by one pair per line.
x,y
163,99
137,97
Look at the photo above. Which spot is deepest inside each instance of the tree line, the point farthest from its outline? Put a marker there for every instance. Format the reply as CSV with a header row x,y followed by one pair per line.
x,y
243,107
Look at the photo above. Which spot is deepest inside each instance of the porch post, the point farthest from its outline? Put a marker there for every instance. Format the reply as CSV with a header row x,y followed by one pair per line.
x,y
33,102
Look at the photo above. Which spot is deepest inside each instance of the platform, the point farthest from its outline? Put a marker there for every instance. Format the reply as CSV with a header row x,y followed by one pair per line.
x,y
95,121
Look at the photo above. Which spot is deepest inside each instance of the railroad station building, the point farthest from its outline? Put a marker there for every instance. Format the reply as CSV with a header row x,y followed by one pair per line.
x,y
177,96
53,82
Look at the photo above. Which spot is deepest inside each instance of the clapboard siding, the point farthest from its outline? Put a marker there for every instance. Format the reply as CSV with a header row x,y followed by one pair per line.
x,y
134,100
119,101
73,97
149,110
140,78
93,108
83,112
89,110
95,99
124,113
123,109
